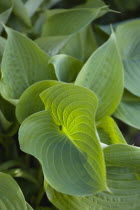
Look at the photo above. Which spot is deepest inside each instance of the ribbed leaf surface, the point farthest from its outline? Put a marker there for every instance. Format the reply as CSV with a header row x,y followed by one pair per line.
x,y
103,73
64,140
123,184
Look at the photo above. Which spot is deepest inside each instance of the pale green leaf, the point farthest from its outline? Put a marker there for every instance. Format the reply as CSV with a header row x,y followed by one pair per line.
x,y
32,5
80,45
20,10
66,67
73,20
123,156
125,194
129,110
31,97
50,4
128,37
23,64
52,44
11,197
63,138
109,132
103,73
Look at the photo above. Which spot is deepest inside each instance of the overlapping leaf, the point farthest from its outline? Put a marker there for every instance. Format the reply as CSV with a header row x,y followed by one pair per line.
x,y
125,194
109,132
8,121
31,6
23,64
73,20
129,46
64,139
123,155
31,97
66,67
129,109
20,11
11,196
80,45
103,73
4,17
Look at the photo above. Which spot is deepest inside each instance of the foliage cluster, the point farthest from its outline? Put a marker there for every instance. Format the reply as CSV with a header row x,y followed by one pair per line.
x,y
65,80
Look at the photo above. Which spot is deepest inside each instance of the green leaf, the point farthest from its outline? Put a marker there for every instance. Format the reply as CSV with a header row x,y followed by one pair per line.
x,y
92,4
23,64
123,156
29,207
109,132
66,67
129,110
31,6
31,97
4,17
11,196
65,135
73,19
80,45
103,73
20,10
125,194
129,46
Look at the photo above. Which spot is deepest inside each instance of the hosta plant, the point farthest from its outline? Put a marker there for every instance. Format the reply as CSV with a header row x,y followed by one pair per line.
x,y
67,84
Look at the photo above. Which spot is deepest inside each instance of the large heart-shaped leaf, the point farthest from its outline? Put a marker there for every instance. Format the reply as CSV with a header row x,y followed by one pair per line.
x,y
103,73
23,64
125,194
11,196
129,46
129,110
64,140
